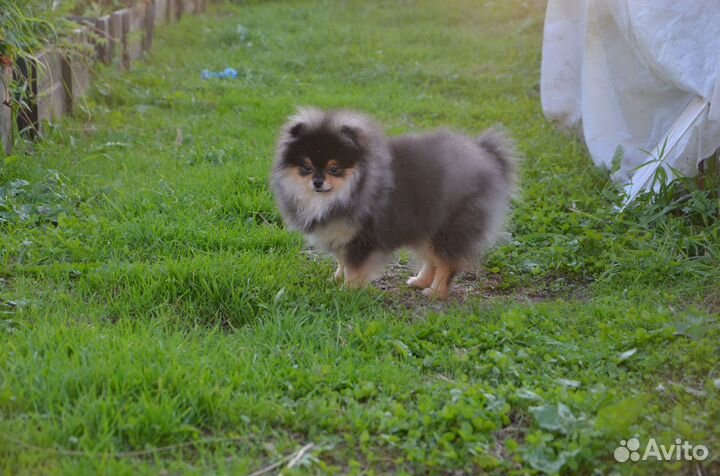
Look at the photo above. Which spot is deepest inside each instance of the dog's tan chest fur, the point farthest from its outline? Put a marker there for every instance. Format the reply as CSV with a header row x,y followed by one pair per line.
x,y
333,236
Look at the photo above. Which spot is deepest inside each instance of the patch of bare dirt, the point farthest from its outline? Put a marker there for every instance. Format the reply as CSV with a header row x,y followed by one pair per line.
x,y
468,286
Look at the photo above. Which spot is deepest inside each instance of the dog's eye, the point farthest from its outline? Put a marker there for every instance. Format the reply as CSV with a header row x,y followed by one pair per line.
x,y
333,170
306,168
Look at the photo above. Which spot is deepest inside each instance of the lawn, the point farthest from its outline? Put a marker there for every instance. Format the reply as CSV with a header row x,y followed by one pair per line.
x,y
156,317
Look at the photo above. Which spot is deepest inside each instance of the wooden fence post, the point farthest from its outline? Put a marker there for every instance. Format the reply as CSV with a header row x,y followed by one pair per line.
x,y
119,21
177,9
174,11
52,100
187,7
6,129
104,46
76,69
136,32
161,9
149,24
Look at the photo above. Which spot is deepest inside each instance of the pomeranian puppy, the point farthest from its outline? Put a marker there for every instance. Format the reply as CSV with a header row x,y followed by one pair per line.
x,y
360,195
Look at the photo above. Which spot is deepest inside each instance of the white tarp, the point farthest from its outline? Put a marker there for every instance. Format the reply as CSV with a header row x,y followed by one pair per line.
x,y
638,74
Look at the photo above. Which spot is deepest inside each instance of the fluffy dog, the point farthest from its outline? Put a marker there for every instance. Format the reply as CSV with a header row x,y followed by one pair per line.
x,y
360,195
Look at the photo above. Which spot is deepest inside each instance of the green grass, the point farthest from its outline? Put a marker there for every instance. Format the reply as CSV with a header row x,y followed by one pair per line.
x,y
152,302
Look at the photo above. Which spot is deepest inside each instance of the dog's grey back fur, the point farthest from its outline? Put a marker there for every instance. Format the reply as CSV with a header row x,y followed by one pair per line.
x,y
451,189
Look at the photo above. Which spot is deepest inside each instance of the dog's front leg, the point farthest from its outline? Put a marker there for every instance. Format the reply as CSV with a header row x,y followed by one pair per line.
x,y
340,271
359,274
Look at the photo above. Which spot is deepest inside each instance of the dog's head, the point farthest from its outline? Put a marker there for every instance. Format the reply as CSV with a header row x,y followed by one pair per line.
x,y
328,164
322,151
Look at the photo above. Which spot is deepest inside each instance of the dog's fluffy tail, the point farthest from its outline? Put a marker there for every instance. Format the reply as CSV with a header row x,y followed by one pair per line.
x,y
498,144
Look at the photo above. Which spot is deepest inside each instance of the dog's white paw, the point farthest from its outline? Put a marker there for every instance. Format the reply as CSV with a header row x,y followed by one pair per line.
x,y
428,292
416,282
436,293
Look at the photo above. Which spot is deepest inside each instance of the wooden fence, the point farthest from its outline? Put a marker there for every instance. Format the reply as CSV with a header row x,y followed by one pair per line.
x,y
58,81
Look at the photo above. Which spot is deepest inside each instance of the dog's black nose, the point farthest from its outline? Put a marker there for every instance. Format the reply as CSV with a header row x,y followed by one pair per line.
x,y
318,182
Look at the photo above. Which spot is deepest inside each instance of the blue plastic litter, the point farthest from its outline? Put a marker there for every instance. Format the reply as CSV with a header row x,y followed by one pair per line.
x,y
227,73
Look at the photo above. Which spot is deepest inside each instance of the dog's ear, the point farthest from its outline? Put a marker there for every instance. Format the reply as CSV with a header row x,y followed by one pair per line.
x,y
351,134
295,130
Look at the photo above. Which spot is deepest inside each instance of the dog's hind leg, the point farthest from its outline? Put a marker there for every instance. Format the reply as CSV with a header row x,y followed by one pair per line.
x,y
441,284
424,278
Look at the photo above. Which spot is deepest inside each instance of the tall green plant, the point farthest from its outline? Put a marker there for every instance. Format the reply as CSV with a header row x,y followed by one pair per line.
x,y
22,31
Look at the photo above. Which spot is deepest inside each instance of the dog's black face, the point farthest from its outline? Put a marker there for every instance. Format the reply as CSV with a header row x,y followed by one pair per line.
x,y
326,169
323,160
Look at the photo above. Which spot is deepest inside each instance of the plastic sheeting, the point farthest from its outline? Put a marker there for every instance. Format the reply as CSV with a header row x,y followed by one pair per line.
x,y
642,75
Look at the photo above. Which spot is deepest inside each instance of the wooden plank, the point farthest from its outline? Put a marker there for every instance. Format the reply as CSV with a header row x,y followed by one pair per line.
x,y
150,12
76,69
119,23
6,129
104,46
135,33
179,11
161,9
52,101
173,11
187,7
